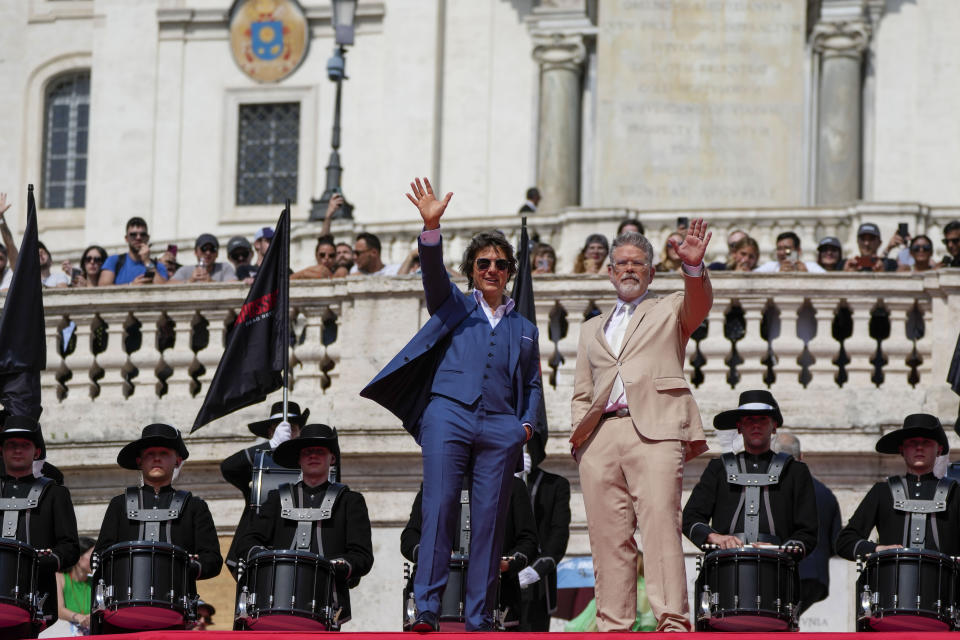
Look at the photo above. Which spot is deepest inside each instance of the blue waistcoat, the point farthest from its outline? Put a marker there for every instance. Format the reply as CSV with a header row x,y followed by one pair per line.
x,y
476,365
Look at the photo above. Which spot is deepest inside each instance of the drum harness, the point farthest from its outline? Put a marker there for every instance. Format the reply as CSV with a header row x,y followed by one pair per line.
x,y
11,508
915,526
151,519
309,520
753,485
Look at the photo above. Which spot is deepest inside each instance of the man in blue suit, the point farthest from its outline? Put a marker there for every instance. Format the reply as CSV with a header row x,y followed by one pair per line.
x,y
467,387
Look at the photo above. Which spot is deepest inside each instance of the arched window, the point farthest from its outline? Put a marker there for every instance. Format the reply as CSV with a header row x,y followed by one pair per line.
x,y
66,118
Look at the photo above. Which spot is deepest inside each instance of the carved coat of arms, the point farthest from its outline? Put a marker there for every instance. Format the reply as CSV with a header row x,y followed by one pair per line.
x,y
268,38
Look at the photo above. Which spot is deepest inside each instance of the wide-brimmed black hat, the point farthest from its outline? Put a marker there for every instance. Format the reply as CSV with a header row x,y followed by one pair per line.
x,y
153,435
312,435
23,427
915,425
262,428
757,402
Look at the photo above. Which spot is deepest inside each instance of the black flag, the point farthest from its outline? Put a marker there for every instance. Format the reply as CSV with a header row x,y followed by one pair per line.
x,y
953,377
23,344
255,360
524,304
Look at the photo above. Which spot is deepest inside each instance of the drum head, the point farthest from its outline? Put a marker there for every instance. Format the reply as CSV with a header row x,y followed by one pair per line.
x,y
908,622
285,622
143,618
11,614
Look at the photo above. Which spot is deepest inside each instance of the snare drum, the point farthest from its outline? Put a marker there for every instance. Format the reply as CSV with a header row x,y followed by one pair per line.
x,y
18,581
907,590
286,590
143,585
747,590
267,476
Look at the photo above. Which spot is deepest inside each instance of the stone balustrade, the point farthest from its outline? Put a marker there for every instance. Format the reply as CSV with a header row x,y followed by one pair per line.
x,y
847,356
811,338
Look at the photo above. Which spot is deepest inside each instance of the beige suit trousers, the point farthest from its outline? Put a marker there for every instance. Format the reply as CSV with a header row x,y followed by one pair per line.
x,y
630,481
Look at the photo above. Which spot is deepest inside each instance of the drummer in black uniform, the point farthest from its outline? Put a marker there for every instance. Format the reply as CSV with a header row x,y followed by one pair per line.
x,y
37,512
520,544
784,511
238,468
919,441
188,524
344,537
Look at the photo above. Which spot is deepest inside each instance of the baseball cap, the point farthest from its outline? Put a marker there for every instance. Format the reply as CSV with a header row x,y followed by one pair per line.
x,y
263,232
829,241
238,242
206,238
868,229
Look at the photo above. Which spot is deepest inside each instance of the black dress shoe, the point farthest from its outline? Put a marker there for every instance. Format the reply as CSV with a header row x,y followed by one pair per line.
x,y
426,622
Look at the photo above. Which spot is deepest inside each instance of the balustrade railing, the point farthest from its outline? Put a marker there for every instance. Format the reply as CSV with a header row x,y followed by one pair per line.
x,y
846,352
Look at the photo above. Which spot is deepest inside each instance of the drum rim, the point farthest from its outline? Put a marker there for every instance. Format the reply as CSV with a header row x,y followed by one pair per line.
x,y
290,554
146,545
772,554
112,605
18,545
916,553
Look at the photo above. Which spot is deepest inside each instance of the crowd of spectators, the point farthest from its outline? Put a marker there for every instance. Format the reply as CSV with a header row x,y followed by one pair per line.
x,y
140,265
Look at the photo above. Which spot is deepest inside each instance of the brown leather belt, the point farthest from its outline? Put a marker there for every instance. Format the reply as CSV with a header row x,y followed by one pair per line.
x,y
622,412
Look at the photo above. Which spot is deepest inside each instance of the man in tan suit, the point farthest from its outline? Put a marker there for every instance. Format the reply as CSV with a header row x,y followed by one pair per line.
x,y
635,423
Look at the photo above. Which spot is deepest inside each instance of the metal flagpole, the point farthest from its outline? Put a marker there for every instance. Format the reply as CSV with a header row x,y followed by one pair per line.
x,y
285,312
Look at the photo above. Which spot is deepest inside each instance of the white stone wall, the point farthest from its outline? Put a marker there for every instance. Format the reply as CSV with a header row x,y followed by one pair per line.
x,y
918,59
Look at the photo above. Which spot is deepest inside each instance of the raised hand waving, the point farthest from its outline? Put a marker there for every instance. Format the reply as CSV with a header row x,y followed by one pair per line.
x,y
431,209
694,244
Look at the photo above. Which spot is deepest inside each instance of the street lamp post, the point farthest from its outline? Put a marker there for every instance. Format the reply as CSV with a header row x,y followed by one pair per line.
x,y
344,12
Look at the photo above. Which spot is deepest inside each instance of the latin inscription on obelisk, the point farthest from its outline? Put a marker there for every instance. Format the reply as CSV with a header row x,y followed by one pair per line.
x,y
700,103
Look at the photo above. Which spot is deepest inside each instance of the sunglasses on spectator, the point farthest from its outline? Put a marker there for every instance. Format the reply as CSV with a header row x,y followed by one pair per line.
x,y
951,241
484,263
238,255
208,248
322,254
921,247
96,259
138,234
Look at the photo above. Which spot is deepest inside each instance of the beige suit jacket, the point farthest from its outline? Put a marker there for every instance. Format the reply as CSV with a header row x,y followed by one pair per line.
x,y
650,364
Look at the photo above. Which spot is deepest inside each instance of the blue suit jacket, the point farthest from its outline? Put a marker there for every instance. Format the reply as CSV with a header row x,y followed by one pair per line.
x,y
403,386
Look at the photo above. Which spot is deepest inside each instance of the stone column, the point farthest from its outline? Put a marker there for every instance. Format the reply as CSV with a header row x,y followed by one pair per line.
x,y
558,137
840,46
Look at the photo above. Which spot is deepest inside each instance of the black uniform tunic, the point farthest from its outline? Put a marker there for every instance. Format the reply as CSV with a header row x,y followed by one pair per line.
x,y
52,525
193,530
519,540
793,503
345,535
238,468
550,495
876,511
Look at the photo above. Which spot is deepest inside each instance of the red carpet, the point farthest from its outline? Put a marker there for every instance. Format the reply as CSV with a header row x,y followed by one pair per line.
x,y
251,635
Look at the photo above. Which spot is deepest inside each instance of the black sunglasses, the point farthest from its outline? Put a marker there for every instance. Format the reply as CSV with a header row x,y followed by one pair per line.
x,y
484,263
921,247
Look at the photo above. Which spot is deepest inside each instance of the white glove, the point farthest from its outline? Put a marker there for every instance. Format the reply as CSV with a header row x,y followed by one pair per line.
x,y
38,468
528,576
280,435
